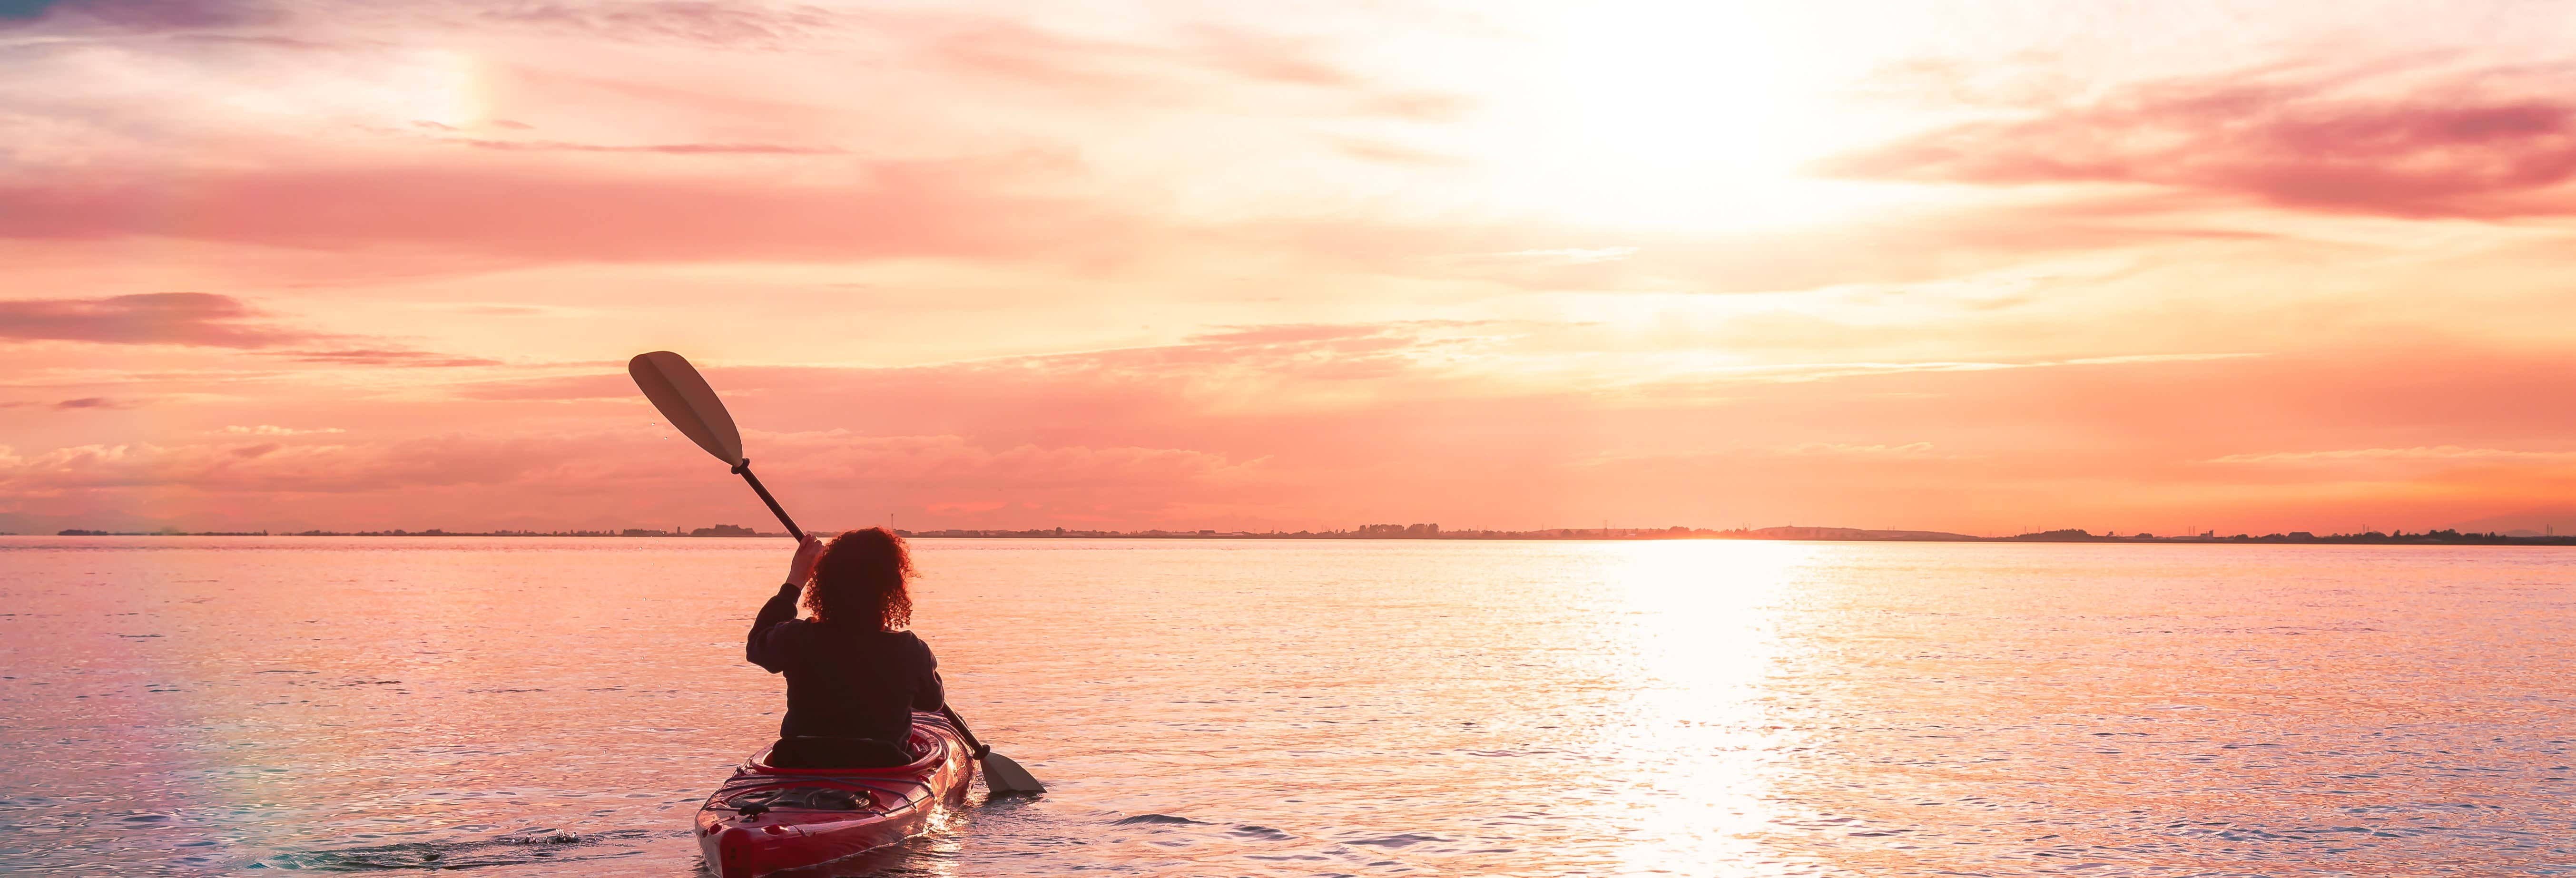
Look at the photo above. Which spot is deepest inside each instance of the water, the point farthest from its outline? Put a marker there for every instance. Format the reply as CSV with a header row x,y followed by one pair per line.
x,y
560,707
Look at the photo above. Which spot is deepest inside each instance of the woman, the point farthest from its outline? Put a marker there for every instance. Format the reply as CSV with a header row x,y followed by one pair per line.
x,y
854,676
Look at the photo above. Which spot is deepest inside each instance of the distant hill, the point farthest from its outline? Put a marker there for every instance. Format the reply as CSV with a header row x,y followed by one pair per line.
x,y
1857,534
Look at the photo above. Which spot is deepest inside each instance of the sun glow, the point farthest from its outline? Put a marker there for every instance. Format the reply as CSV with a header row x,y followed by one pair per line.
x,y
1672,115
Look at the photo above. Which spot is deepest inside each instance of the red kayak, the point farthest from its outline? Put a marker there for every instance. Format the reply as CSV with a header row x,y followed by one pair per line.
x,y
766,819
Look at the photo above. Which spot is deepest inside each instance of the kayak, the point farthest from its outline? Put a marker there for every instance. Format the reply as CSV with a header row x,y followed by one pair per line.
x,y
766,819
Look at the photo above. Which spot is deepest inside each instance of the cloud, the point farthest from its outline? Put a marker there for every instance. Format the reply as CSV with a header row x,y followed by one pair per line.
x,y
384,357
1270,58
1806,372
2480,143
1837,449
1394,154
138,15
273,467
273,430
1007,49
621,476
1562,255
1786,455
954,208
951,462
962,48
1277,368
681,20
507,309
658,148
1284,370
1259,336
270,41
1204,64
2433,454
90,402
1283,359
202,319
194,319
1899,244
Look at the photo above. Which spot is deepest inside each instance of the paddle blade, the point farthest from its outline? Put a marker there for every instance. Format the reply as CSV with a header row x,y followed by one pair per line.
x,y
685,399
1005,777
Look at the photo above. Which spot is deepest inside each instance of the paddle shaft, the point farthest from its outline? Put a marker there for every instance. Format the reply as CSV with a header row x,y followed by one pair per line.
x,y
962,731
745,469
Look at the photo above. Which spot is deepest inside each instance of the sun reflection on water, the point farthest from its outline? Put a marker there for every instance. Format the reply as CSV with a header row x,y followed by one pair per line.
x,y
1691,631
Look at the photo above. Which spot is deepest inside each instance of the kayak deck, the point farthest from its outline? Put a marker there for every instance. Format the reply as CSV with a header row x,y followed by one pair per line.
x,y
766,819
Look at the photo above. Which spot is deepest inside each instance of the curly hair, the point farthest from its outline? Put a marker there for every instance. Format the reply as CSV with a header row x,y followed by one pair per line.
x,y
860,580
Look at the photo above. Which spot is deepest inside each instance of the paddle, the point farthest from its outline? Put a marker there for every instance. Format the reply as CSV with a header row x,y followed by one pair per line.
x,y
1001,775
675,387
685,399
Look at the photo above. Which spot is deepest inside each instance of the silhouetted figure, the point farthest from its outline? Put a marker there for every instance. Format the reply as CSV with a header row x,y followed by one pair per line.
x,y
854,677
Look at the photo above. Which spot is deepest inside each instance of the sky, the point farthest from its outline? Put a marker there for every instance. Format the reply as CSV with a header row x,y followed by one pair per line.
x,y
1984,267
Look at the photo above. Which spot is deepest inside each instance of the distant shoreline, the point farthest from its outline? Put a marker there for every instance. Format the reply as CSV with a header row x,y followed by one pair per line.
x,y
1775,534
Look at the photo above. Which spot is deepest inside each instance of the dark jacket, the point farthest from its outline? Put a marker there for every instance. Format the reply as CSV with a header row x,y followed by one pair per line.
x,y
844,681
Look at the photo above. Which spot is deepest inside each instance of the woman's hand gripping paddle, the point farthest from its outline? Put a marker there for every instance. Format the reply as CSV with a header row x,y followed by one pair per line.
x,y
692,407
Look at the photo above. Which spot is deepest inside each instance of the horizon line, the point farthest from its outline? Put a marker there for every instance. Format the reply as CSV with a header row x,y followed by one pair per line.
x,y
1430,531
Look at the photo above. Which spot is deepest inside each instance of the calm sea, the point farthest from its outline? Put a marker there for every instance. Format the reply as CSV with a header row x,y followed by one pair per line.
x,y
560,707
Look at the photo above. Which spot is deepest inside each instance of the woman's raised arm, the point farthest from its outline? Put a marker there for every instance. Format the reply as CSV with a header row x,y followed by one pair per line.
x,y
760,646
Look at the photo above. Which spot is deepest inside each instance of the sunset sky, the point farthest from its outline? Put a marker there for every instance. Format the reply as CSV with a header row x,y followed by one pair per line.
x,y
1968,266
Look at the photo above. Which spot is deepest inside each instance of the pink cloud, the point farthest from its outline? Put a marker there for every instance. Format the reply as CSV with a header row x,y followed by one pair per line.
x,y
682,20
1285,352
1207,64
384,357
195,320
2482,143
270,467
144,318
660,148
1203,63
953,208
